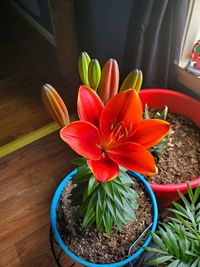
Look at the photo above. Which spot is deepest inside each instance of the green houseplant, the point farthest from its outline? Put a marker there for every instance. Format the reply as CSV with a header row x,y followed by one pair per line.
x,y
178,239
111,137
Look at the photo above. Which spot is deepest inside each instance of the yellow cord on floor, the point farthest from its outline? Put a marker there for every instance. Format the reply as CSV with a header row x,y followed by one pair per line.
x,y
28,139
31,137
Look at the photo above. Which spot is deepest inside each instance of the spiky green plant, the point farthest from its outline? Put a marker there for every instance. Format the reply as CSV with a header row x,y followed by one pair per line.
x,y
179,238
160,148
103,204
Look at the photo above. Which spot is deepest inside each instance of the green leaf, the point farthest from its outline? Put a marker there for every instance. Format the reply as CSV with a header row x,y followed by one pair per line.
x,y
99,216
166,240
108,222
158,241
173,242
196,263
90,213
190,192
184,199
197,194
180,208
182,246
120,216
146,112
119,199
125,178
185,215
78,161
119,225
160,260
108,187
155,250
101,197
92,184
174,263
112,208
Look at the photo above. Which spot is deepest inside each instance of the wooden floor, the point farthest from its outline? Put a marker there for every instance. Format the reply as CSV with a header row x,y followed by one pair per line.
x,y
30,175
28,180
27,61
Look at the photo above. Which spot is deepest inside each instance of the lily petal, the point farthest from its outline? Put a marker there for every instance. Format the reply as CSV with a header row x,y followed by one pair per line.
x,y
150,132
83,138
124,108
104,169
134,157
89,105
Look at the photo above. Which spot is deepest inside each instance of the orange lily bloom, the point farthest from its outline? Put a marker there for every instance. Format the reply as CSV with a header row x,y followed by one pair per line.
x,y
114,134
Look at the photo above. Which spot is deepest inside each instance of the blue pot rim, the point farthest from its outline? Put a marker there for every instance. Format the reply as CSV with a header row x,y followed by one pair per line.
x,y
53,218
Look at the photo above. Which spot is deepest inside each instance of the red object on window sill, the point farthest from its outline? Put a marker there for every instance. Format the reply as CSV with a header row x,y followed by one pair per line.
x,y
180,104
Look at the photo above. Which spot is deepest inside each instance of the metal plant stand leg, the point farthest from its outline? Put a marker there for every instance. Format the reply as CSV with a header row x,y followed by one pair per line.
x,y
56,250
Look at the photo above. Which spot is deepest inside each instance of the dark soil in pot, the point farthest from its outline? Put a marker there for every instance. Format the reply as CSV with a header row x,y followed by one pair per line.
x,y
99,247
181,160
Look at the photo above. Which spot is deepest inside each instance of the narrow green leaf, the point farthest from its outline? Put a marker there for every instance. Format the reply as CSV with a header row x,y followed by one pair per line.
x,y
119,215
160,260
108,222
197,194
101,197
119,199
166,240
78,161
155,250
173,242
99,216
112,208
125,178
174,263
146,112
92,184
119,225
90,213
108,189
82,171
196,263
184,199
158,241
190,192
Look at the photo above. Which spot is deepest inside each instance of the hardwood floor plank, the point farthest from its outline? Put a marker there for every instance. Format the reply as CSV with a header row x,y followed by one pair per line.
x,y
28,179
30,252
9,257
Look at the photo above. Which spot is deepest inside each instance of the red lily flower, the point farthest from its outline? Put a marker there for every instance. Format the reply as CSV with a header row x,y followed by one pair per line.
x,y
114,134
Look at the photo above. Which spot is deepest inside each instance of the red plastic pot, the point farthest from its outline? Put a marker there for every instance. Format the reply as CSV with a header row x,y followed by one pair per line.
x,y
180,104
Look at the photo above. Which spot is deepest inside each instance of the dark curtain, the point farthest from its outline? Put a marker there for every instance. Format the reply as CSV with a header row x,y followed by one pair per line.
x,y
153,41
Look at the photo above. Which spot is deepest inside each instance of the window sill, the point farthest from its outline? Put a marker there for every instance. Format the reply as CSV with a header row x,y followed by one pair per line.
x,y
189,80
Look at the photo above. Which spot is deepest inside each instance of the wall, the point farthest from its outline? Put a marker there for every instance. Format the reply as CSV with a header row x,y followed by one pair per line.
x,y
102,27
38,10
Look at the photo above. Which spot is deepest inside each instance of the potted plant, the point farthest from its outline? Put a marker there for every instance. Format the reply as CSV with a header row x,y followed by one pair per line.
x,y
184,149
178,239
99,202
176,167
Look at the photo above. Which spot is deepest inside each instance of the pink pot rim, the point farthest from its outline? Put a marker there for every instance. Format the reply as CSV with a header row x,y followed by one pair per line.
x,y
169,92
175,187
180,186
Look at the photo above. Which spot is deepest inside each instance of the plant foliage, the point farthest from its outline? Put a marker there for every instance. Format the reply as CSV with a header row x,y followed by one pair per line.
x,y
179,239
103,204
159,148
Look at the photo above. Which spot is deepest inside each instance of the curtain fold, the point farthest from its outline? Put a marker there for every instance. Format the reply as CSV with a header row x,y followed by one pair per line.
x,y
153,41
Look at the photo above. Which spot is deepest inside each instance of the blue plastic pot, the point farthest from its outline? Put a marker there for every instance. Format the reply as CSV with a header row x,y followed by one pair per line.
x,y
54,205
